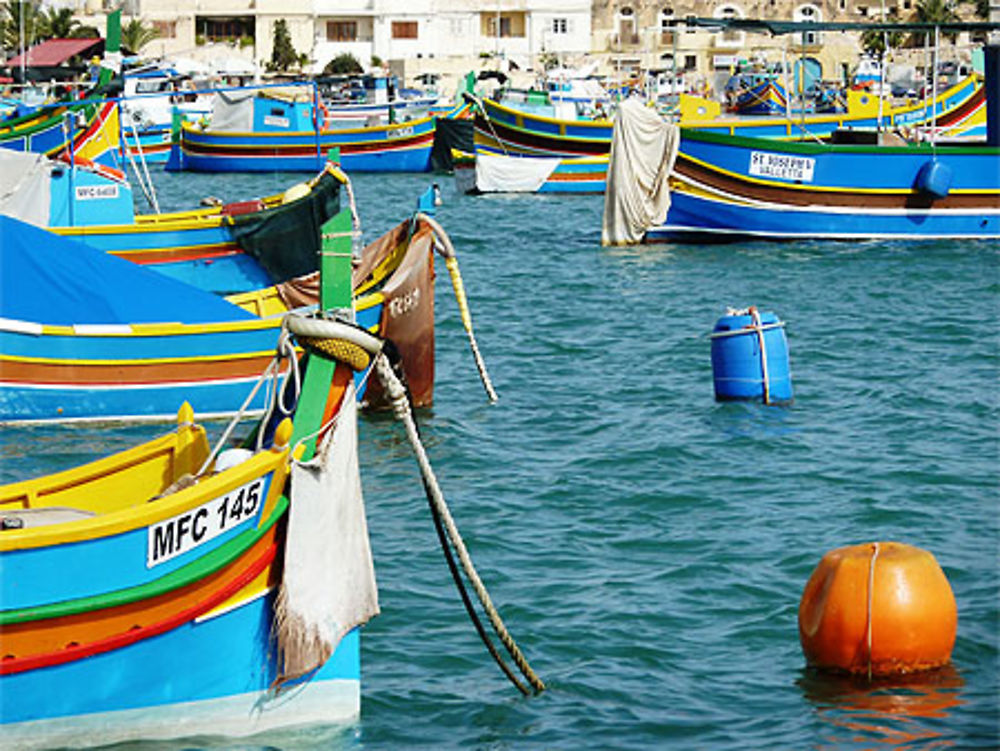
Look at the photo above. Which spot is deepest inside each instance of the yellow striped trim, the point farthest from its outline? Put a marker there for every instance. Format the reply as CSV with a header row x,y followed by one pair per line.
x,y
812,187
143,513
226,357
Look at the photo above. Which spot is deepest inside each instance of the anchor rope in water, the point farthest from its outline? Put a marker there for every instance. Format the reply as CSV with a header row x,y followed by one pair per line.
x,y
397,396
313,329
447,251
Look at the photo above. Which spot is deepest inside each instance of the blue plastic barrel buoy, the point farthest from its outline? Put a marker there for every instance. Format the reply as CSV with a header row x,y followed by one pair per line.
x,y
750,358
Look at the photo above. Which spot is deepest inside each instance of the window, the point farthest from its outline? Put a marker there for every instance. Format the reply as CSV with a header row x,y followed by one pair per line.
x,y
217,28
504,26
666,30
559,26
341,31
404,29
690,62
808,14
626,26
166,29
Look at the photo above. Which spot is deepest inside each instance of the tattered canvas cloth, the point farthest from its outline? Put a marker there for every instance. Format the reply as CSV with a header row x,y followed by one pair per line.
x,y
643,150
328,586
498,173
24,186
232,111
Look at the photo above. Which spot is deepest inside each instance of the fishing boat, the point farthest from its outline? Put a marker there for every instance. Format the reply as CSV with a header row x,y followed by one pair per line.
x,y
225,248
265,130
958,111
715,187
176,589
485,171
85,129
89,131
152,95
124,343
756,95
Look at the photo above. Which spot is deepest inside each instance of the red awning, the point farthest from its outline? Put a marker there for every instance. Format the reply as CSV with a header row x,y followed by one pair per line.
x,y
53,52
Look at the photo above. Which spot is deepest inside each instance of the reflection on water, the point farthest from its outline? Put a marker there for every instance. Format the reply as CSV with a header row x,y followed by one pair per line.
x,y
895,711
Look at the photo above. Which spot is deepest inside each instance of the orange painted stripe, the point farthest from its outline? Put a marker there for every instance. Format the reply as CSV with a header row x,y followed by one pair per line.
x,y
173,618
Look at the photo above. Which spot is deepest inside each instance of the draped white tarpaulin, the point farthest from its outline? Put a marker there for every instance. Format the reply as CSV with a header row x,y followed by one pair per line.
x,y
643,150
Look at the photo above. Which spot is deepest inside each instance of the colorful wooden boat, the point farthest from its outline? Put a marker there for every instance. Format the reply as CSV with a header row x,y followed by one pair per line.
x,y
726,187
103,350
85,129
486,171
765,97
281,134
156,593
225,249
89,131
956,112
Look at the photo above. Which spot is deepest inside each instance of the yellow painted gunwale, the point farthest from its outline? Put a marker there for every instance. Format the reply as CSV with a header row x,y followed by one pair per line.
x,y
139,513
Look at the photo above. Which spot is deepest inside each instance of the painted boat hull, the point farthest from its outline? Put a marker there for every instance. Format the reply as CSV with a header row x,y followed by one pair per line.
x,y
958,112
135,372
730,187
404,147
45,133
138,590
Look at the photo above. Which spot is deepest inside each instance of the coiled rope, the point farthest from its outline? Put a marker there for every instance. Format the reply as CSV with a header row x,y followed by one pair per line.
x,y
447,251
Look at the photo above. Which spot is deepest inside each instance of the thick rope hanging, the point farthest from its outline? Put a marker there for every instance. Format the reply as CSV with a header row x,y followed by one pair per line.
x,y
397,395
447,251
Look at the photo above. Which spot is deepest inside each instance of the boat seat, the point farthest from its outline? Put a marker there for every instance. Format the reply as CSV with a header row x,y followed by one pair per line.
x,y
40,517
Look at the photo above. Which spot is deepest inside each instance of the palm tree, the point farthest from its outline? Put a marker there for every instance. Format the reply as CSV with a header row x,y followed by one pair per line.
x,y
59,23
935,12
32,24
136,35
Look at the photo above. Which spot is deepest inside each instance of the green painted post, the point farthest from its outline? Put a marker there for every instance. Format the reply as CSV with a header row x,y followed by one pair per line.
x,y
335,293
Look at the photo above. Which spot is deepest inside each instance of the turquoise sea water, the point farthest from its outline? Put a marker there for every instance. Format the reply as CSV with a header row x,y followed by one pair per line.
x,y
646,545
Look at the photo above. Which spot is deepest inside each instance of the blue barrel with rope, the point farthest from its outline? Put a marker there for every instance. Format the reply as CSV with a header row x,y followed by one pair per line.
x,y
750,357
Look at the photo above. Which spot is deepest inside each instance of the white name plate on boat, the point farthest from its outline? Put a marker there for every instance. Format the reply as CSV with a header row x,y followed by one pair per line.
x,y
96,192
179,534
782,166
277,122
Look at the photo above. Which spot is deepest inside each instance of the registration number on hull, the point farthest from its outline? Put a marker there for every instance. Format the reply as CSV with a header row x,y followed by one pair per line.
x,y
179,534
782,166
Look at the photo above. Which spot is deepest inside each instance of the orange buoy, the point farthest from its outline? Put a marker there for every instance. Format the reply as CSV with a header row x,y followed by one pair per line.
x,y
879,608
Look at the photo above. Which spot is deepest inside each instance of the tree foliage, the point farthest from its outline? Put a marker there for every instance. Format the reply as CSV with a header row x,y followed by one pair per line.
x,y
136,35
343,63
283,54
873,41
59,23
934,11
11,25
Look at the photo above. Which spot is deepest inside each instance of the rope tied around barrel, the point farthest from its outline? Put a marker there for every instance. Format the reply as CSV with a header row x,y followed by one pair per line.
x,y
871,598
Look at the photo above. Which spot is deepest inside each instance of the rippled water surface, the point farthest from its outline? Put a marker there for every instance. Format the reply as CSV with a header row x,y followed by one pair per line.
x,y
646,545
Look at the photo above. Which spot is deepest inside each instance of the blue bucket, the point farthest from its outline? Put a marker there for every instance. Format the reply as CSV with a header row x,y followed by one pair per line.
x,y
741,369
